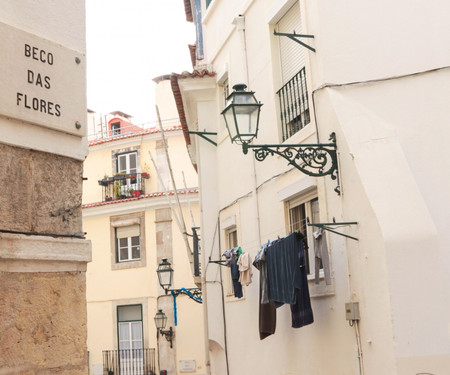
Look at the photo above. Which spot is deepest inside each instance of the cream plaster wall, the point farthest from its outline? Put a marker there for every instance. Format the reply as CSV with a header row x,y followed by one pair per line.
x,y
99,163
392,157
107,288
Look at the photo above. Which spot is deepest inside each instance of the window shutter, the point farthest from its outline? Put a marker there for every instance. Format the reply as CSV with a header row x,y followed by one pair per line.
x,y
128,231
292,54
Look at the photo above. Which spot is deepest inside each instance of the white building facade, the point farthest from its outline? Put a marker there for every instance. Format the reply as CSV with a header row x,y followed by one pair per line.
x,y
377,79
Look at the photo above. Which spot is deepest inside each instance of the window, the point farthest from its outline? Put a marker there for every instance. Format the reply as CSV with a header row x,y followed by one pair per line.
x,y
208,2
130,332
127,164
293,95
115,128
299,211
226,91
232,241
128,241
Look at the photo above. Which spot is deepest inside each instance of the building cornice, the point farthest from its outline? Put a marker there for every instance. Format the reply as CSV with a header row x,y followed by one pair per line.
x,y
144,202
146,132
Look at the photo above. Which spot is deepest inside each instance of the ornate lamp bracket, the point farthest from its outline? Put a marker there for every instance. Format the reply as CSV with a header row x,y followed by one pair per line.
x,y
315,160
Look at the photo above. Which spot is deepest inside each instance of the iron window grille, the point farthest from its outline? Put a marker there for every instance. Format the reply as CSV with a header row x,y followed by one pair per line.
x,y
294,105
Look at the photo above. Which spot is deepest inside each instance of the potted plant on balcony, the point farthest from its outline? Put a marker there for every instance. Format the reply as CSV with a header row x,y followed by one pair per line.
x,y
137,193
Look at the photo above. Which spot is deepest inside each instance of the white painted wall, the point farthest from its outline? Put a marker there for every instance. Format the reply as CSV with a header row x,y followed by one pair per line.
x,y
390,137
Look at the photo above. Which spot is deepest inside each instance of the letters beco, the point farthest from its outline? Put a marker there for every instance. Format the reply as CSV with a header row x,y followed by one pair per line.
x,y
39,80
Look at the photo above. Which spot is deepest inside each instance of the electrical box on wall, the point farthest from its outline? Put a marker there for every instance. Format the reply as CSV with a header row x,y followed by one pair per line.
x,y
352,311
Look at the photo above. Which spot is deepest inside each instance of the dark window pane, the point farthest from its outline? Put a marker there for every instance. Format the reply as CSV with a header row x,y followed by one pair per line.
x,y
123,254
135,252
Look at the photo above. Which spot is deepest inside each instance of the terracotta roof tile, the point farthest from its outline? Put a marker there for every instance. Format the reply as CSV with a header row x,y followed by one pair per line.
x,y
144,196
136,134
179,99
193,52
188,11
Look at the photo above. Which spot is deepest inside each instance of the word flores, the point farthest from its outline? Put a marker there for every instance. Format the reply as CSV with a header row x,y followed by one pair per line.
x,y
40,105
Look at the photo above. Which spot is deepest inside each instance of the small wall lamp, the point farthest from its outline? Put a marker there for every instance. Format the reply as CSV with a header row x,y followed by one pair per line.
x,y
241,116
160,322
165,278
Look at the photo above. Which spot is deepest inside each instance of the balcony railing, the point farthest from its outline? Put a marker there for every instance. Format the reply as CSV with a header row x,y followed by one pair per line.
x,y
123,186
294,105
129,362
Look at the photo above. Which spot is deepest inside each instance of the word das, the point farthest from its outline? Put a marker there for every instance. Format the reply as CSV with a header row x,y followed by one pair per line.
x,y
40,105
38,80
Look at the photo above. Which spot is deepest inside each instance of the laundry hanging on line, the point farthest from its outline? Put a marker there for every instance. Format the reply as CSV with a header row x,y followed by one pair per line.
x,y
240,268
285,283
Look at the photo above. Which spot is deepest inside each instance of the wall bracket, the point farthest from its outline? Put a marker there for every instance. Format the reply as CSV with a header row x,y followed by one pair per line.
x,y
325,226
204,136
295,37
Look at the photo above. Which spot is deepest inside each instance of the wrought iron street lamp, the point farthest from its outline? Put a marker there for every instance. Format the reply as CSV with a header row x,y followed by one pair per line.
x,y
165,274
165,277
242,114
242,120
160,322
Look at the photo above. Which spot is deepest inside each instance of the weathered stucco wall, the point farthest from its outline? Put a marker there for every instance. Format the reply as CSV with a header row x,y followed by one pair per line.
x,y
43,323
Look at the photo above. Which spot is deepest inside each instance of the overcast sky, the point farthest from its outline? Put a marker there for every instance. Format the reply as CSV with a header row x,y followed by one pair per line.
x,y
128,44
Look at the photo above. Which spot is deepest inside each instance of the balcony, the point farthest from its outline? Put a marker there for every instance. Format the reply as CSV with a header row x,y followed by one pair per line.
x,y
123,186
129,362
294,105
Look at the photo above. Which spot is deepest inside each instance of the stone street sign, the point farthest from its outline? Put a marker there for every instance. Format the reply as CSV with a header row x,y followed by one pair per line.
x,y
187,365
42,82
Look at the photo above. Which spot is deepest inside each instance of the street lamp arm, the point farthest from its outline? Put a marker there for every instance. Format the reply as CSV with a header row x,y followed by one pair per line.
x,y
315,160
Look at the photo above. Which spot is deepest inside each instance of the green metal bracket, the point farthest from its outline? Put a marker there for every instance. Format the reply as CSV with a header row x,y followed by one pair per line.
x,y
294,37
204,136
315,160
324,226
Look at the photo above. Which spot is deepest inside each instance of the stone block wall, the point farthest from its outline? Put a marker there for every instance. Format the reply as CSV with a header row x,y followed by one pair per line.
x,y
40,192
43,323
42,267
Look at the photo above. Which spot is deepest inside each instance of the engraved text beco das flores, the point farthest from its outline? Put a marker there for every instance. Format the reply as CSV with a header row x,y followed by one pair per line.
x,y
38,80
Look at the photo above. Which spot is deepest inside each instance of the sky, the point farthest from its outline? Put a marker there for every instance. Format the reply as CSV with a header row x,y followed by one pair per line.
x,y
128,44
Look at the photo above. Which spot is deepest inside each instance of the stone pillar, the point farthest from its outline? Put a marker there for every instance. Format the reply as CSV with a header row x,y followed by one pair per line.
x,y
163,225
43,260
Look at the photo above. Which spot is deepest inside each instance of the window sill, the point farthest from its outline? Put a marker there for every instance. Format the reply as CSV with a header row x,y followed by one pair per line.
x,y
321,289
232,298
128,264
302,135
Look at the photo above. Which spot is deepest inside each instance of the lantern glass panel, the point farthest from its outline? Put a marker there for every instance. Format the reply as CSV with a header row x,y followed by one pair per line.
x,y
160,319
247,121
165,273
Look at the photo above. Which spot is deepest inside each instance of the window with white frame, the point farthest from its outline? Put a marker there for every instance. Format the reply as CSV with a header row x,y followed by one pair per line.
x,y
127,164
300,210
130,332
115,128
128,243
